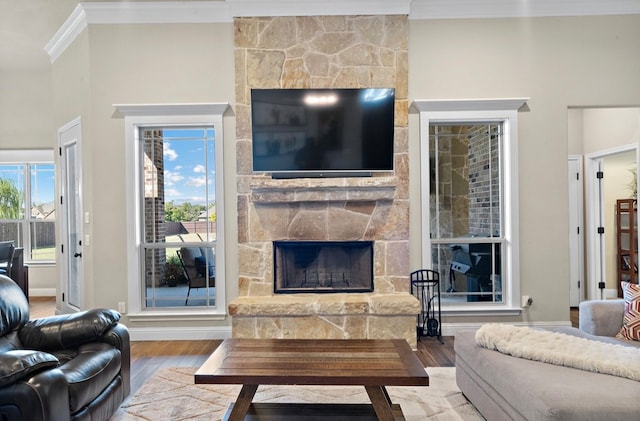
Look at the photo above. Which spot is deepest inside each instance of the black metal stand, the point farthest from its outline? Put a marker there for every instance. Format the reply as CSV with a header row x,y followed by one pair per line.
x,y
425,286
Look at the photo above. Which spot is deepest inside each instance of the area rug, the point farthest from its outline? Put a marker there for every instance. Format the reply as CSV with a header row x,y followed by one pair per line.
x,y
170,395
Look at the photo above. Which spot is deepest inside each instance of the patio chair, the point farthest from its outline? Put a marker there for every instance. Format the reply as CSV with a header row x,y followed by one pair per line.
x,y
199,267
6,257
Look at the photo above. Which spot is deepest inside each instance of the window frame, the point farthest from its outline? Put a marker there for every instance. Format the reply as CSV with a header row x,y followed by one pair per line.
x,y
27,158
453,112
138,117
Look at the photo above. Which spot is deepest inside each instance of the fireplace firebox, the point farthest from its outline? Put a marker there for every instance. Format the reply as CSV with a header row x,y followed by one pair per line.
x,y
323,266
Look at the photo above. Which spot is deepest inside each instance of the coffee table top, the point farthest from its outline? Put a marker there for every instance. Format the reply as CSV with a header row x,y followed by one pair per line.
x,y
364,362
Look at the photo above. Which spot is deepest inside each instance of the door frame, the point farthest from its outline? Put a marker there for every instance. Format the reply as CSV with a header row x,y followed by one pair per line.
x,y
594,208
64,249
576,222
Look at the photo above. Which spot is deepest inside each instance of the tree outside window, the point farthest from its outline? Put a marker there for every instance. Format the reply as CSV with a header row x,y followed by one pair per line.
x,y
28,186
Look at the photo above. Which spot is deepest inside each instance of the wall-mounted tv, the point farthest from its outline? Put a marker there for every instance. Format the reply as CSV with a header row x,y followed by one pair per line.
x,y
322,132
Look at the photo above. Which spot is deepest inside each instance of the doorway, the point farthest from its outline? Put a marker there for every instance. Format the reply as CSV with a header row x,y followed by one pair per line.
x,y
611,175
71,273
607,139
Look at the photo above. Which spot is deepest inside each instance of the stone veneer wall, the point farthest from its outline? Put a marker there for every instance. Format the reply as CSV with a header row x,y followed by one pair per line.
x,y
323,52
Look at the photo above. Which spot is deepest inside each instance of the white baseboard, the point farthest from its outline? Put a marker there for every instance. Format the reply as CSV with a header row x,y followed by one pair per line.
x,y
206,333
42,292
450,329
179,333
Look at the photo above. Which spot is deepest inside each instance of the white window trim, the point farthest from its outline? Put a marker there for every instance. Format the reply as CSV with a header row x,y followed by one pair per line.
x,y
145,115
462,111
22,157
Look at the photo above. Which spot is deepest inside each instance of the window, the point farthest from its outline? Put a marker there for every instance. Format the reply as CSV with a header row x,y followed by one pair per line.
x,y
27,207
178,215
177,226
469,202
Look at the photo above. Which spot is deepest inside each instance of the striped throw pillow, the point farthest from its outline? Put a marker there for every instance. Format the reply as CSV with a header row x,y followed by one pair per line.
x,y
631,322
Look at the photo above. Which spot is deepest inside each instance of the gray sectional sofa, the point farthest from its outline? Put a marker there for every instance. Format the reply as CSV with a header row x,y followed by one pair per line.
x,y
503,387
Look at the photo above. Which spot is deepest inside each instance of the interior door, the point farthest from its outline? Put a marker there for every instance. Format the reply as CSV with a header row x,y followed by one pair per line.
x,y
72,284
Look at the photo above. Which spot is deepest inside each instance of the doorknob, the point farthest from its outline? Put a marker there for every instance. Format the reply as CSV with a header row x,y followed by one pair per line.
x,y
77,255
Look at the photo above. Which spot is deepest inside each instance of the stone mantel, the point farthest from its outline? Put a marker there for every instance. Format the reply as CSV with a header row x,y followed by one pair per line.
x,y
266,190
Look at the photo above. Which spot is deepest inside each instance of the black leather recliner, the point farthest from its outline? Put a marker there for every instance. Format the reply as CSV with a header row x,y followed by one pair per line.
x,y
67,367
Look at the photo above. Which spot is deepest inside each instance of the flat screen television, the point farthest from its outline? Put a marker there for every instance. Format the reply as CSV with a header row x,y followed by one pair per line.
x,y
322,132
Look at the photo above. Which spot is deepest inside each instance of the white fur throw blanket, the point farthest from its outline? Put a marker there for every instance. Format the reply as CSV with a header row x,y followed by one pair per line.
x,y
561,349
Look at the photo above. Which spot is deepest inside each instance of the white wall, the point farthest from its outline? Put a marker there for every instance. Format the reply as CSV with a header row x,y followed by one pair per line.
x,y
557,63
138,64
26,122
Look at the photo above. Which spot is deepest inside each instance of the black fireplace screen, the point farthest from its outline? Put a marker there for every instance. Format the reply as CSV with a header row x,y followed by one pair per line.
x,y
323,266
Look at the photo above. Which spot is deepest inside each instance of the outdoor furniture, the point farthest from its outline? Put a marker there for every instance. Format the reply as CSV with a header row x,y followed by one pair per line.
x,y
199,267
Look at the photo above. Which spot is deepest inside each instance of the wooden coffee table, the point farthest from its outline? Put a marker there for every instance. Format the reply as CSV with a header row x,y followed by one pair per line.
x,y
373,364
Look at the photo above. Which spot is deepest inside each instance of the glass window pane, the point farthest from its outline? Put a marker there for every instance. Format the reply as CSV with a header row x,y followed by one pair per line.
x,y
12,191
11,231
465,180
43,240
465,203
179,211
42,192
27,193
167,281
469,272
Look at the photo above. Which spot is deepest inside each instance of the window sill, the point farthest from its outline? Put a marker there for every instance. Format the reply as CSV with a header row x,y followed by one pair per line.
x,y
484,310
176,315
36,263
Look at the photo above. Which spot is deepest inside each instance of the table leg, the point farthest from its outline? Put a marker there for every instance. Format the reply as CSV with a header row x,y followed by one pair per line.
x,y
241,406
381,402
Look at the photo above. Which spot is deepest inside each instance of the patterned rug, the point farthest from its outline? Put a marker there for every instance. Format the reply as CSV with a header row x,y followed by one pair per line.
x,y
170,395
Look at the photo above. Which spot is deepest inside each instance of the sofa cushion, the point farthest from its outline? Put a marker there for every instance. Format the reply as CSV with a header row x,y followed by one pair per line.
x,y
68,330
631,322
14,308
533,390
93,368
560,349
606,339
20,364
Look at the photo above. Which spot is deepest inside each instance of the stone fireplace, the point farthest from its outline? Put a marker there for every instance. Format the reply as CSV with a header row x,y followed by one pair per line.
x,y
323,52
322,266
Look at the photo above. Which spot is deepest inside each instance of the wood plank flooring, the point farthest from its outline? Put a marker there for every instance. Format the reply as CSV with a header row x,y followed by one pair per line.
x,y
149,356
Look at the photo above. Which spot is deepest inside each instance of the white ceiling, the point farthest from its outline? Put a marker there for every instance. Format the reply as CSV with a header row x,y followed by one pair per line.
x,y
26,26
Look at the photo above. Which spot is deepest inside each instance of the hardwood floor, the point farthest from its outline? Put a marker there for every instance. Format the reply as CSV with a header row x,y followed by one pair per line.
x,y
149,356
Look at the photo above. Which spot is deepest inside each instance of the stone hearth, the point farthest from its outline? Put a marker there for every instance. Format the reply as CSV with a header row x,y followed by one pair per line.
x,y
334,316
323,52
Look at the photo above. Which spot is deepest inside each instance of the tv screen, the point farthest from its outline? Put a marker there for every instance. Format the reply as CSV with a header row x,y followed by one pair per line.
x,y
322,131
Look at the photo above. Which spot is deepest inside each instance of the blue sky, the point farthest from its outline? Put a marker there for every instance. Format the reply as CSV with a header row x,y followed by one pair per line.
x,y
186,166
42,180
185,169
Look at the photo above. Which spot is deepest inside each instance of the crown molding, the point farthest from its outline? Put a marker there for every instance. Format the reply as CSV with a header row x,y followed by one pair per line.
x,y
134,12
475,9
225,10
68,32
247,8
